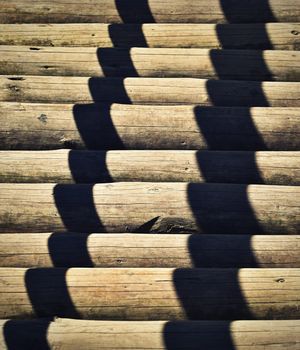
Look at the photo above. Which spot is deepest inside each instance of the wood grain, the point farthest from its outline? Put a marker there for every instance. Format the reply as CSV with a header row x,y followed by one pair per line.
x,y
150,207
136,11
151,62
51,126
58,89
145,293
216,335
147,250
278,36
65,166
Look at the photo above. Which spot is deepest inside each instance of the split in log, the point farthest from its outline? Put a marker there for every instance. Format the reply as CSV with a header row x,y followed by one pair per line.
x,y
52,126
150,294
147,250
149,91
151,11
149,62
150,207
65,166
278,36
71,334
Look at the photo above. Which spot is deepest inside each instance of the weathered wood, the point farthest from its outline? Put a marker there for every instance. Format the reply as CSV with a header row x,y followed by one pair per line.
x,y
150,293
65,166
151,62
137,11
147,250
150,207
149,91
157,335
52,126
279,36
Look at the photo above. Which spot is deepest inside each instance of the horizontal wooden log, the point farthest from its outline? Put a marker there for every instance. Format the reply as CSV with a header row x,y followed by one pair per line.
x,y
149,91
157,335
151,62
150,294
147,250
65,166
279,36
150,207
52,126
137,11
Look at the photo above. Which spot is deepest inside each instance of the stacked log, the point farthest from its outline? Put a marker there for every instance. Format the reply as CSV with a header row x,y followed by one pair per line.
x,y
65,166
216,335
38,126
280,36
224,93
150,294
170,11
154,207
151,62
59,249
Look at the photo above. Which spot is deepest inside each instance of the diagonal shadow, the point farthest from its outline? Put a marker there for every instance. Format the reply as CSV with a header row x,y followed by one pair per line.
x,y
241,197
186,286
54,299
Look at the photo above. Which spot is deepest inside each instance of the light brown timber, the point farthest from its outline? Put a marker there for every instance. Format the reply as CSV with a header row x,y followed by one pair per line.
x,y
59,89
148,250
70,334
151,62
120,126
150,207
277,36
168,11
65,166
150,293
